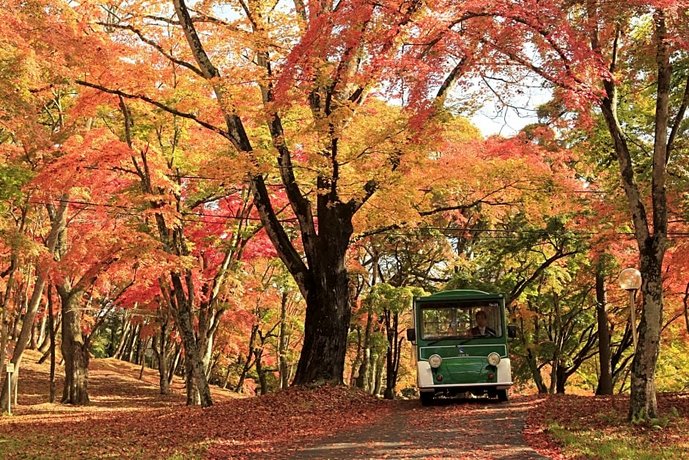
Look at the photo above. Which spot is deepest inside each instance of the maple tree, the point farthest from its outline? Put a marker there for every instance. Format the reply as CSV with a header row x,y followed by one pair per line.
x,y
149,180
311,70
591,51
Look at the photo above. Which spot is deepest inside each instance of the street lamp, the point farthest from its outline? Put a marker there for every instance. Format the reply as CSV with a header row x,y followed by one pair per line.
x,y
630,281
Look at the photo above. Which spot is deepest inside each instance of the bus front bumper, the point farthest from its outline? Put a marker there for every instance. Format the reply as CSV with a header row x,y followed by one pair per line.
x,y
426,384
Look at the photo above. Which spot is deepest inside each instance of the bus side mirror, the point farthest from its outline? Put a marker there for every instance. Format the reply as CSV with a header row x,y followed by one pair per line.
x,y
411,335
512,331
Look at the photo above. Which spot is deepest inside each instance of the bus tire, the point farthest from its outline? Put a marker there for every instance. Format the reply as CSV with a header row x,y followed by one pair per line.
x,y
426,398
502,395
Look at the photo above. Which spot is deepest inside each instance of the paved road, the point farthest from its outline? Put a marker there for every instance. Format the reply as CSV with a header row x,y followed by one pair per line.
x,y
472,429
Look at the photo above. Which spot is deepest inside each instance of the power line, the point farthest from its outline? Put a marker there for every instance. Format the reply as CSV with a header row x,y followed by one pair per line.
x,y
496,233
137,212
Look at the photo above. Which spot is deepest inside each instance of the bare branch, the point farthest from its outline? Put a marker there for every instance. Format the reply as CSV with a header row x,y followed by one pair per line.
x,y
158,104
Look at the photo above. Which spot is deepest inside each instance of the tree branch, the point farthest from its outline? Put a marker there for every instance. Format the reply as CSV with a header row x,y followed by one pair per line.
x,y
158,104
155,45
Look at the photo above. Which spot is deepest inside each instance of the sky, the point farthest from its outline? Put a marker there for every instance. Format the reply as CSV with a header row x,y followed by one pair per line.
x,y
494,116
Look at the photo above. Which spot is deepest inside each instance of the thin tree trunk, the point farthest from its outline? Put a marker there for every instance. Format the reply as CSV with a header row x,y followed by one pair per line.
x,y
283,344
36,332
356,362
380,367
604,352
198,391
161,345
174,362
130,348
51,334
263,383
42,330
362,380
124,338
391,324
651,236
142,358
248,363
57,324
59,221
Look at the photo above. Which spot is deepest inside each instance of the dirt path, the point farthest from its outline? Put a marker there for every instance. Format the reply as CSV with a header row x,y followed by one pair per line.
x,y
474,429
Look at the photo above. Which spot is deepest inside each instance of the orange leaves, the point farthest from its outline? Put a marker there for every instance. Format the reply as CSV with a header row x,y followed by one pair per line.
x,y
93,158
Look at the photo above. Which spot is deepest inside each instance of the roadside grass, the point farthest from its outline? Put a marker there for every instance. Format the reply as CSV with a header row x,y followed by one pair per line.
x,y
596,427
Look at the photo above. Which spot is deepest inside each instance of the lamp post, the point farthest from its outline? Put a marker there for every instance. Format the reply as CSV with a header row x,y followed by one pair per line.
x,y
630,281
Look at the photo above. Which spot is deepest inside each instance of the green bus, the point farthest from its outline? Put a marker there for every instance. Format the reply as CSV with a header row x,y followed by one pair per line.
x,y
460,344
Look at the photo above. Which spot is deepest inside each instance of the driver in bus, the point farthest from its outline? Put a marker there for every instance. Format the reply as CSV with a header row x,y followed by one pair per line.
x,y
481,329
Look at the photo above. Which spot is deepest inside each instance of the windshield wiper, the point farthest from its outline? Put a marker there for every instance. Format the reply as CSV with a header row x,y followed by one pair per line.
x,y
466,341
433,342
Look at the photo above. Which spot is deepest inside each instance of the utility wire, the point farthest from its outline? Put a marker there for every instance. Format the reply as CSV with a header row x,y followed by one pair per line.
x,y
494,233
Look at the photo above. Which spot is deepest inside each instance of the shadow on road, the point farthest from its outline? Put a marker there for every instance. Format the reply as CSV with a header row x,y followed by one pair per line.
x,y
456,429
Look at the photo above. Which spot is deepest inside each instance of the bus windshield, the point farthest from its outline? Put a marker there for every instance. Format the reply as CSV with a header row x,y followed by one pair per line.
x,y
471,320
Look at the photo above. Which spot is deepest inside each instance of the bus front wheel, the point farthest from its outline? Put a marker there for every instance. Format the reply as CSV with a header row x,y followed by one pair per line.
x,y
426,398
502,395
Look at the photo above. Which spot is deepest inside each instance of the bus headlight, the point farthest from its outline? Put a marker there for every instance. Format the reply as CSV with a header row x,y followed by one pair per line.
x,y
493,359
435,361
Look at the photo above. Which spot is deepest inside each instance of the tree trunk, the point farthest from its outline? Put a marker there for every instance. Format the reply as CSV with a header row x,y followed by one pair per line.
x,y
130,348
604,352
356,362
248,362
198,391
57,325
561,377
327,323
260,371
37,334
378,374
177,356
124,337
74,350
142,358
161,345
536,372
51,333
643,402
59,221
283,344
392,354
362,380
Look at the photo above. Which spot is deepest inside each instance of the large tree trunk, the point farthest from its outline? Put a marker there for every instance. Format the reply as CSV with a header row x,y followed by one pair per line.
x,y
643,402
74,350
605,379
325,330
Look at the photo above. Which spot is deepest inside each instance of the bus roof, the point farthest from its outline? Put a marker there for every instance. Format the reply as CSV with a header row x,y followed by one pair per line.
x,y
459,294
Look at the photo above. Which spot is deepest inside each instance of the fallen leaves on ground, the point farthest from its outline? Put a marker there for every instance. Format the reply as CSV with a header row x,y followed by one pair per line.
x,y
568,426
129,420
